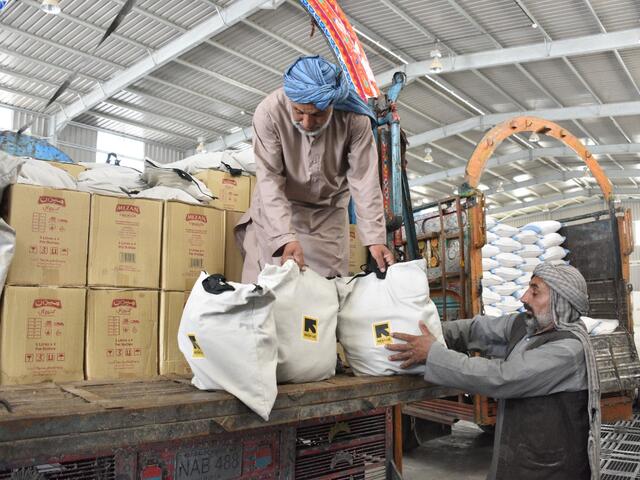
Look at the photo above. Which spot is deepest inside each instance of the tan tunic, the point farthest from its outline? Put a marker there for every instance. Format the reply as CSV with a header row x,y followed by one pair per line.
x,y
303,188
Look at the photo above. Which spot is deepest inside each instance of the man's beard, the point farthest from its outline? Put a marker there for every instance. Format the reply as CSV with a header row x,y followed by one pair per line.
x,y
537,323
315,132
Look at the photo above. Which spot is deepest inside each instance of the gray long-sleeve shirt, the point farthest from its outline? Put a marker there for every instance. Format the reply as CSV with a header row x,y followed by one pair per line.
x,y
551,368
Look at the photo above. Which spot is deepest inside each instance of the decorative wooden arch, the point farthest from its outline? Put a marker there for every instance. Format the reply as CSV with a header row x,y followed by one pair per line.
x,y
493,138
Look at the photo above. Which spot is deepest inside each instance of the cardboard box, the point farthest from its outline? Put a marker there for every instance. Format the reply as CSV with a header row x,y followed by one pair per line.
x,y
192,241
357,252
232,192
41,330
233,261
125,237
72,169
122,334
52,230
171,358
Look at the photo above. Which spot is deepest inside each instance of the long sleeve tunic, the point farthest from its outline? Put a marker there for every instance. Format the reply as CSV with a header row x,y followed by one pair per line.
x,y
303,188
554,367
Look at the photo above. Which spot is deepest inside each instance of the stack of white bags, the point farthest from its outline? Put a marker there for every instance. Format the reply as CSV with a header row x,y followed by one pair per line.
x,y
509,258
246,338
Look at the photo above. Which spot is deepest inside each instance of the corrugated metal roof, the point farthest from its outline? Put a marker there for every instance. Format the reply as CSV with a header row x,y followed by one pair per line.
x,y
213,88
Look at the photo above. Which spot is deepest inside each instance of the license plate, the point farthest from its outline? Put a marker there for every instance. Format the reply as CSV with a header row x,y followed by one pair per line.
x,y
217,463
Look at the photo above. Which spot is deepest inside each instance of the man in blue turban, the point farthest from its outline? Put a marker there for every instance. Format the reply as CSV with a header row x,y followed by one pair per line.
x,y
314,149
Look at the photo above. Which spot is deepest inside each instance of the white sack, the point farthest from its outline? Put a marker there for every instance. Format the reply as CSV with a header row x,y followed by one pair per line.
x,y
246,159
490,222
600,326
7,249
489,251
530,251
167,193
306,313
554,253
507,273
9,170
543,227
551,240
111,180
489,297
509,304
489,263
509,259
504,230
229,340
490,279
204,161
530,264
372,308
42,173
507,288
524,279
492,237
526,237
491,311
559,262
155,176
507,245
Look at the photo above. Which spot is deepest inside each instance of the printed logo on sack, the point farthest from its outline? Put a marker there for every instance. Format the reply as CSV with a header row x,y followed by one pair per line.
x,y
197,351
310,328
47,302
127,210
382,333
51,204
229,181
196,217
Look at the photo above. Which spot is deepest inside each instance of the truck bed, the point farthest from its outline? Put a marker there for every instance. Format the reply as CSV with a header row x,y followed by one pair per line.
x,y
50,419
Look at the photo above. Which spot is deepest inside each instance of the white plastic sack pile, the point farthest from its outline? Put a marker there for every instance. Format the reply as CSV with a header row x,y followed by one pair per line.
x,y
550,240
42,173
544,227
9,170
530,251
489,263
526,237
228,336
372,308
165,181
530,264
110,179
306,313
504,230
509,259
243,160
507,245
507,288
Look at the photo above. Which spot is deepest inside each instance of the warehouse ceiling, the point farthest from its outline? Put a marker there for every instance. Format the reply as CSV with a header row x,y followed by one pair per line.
x,y
176,71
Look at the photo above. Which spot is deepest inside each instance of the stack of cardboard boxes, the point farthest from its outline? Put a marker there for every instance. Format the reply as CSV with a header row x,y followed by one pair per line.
x,y
98,283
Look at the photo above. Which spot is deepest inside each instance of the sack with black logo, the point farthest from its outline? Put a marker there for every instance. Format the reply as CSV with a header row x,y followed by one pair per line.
x,y
306,311
228,336
373,306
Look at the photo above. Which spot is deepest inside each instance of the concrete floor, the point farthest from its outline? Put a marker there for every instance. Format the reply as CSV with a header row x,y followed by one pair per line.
x,y
463,455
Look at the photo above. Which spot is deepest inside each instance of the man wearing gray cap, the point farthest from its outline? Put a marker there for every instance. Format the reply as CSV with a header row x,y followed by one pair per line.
x,y
539,365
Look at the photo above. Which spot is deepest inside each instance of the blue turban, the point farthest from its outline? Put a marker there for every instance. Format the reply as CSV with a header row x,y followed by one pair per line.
x,y
317,81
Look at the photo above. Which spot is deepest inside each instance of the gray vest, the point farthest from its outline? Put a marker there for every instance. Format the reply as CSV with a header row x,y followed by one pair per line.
x,y
544,437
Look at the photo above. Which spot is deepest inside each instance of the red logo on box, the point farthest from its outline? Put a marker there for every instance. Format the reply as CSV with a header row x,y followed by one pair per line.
x,y
229,181
196,217
46,199
125,207
47,302
123,302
